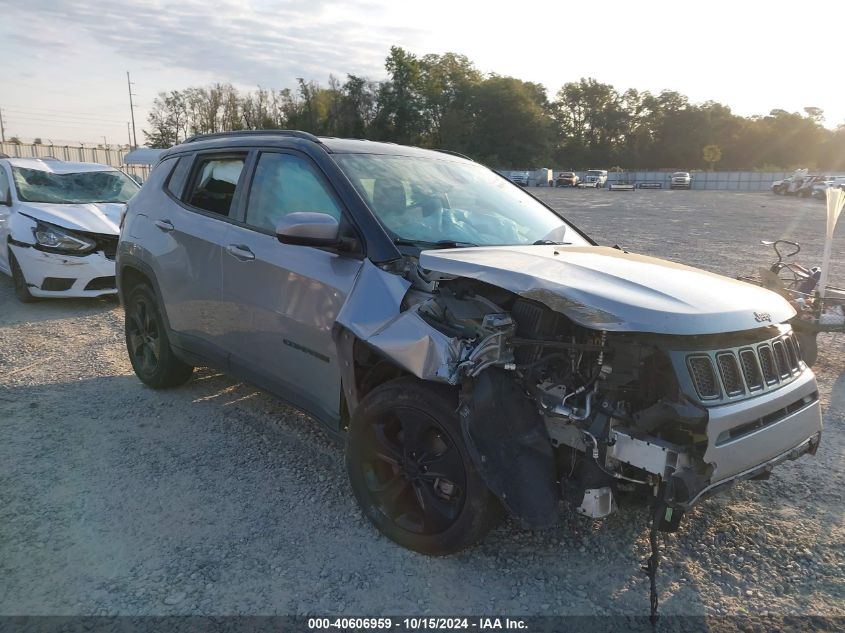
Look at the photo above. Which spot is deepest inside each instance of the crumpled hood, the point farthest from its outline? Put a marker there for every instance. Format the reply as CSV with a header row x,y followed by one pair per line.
x,y
608,289
95,217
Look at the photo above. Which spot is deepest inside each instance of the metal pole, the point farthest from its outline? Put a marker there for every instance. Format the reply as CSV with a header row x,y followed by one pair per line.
x,y
128,135
132,112
835,202
2,129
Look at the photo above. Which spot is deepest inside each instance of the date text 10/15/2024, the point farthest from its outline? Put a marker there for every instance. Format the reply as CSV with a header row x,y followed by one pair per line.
x,y
416,624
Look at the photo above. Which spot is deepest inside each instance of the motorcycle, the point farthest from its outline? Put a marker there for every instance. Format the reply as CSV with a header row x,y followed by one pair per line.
x,y
816,311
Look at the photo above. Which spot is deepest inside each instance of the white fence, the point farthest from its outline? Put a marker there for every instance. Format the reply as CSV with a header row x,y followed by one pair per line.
x,y
112,156
711,180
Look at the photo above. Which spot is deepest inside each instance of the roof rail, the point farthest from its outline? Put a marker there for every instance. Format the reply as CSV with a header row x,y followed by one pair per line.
x,y
452,153
295,133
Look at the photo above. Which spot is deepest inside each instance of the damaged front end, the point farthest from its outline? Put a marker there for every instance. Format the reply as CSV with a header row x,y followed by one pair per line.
x,y
552,409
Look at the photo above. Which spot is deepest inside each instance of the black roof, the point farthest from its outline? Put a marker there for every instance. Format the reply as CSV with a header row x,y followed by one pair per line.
x,y
246,138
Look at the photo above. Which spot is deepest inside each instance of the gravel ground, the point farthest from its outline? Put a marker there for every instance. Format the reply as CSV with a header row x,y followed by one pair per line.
x,y
216,498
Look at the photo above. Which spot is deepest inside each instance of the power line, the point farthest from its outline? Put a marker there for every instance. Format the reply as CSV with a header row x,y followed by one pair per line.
x,y
59,117
132,111
25,108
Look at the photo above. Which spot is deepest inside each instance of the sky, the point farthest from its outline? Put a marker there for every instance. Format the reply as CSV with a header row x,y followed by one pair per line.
x,y
63,63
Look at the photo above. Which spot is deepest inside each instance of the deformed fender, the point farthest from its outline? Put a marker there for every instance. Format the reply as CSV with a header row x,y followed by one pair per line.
x,y
373,314
510,446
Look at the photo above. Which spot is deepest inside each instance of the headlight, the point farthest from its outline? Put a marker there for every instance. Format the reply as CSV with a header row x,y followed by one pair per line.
x,y
62,240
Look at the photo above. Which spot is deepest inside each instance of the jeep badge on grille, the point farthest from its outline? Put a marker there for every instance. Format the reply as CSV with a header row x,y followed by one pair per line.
x,y
762,316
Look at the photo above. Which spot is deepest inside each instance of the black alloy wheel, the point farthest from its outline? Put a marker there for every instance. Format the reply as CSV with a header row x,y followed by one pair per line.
x,y
411,472
149,349
414,472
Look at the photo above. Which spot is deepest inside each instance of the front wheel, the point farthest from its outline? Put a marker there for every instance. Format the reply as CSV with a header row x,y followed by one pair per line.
x,y
411,472
149,349
21,287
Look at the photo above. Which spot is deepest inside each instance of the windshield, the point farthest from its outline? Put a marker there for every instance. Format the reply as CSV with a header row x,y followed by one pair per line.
x,y
680,174
36,185
438,202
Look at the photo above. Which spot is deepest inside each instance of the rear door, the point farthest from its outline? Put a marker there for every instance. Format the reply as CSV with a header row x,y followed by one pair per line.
x,y
281,300
192,230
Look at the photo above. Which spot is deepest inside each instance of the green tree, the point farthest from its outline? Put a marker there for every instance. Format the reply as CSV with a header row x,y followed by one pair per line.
x,y
711,154
511,124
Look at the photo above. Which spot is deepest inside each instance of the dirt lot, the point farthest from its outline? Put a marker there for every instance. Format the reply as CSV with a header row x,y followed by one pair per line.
x,y
216,498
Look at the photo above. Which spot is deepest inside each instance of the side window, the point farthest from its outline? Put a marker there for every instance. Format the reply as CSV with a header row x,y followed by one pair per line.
x,y
286,184
4,186
214,183
176,183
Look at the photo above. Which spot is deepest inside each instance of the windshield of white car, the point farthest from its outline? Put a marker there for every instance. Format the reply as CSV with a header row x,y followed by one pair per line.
x,y
427,202
37,185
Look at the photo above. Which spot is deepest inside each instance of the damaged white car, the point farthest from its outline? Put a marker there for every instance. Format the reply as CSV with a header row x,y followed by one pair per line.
x,y
477,350
59,226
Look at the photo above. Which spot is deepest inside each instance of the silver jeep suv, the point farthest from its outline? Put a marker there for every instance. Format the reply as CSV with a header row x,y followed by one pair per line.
x,y
475,349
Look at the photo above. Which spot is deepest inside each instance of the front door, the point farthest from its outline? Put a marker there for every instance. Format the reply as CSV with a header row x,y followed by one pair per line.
x,y
280,301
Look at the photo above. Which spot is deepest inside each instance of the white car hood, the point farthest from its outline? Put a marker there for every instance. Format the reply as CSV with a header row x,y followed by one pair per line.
x,y
608,289
96,217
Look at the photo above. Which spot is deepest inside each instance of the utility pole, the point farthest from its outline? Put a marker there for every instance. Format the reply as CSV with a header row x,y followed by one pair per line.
x,y
105,142
2,129
132,111
128,135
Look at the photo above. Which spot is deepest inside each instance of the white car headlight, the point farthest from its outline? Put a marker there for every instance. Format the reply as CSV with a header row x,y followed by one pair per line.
x,y
59,240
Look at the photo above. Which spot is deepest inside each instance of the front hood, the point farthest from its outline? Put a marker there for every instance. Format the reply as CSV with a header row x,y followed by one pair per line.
x,y
608,289
95,217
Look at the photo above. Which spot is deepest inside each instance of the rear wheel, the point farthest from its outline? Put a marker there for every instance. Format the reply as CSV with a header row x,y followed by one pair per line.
x,y
411,472
21,287
149,349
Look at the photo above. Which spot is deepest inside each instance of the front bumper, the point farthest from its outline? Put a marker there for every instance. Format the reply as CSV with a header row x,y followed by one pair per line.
x,y
743,435
68,275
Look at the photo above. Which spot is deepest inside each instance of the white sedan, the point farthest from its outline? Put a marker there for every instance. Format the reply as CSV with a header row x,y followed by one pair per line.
x,y
59,226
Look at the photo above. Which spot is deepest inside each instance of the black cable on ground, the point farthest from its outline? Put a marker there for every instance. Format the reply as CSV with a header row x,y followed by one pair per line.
x,y
650,568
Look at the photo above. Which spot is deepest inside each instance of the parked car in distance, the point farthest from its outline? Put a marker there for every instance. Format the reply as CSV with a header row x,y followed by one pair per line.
x,y
800,183
594,178
680,180
59,226
477,350
543,177
567,179
819,188
520,178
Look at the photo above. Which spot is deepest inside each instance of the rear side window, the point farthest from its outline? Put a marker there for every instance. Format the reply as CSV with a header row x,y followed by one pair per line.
x,y
285,184
214,183
176,183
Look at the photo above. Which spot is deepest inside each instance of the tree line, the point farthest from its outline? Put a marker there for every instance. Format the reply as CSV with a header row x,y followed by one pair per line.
x,y
444,101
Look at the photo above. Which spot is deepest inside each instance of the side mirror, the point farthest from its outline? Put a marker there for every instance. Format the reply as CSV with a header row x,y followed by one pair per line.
x,y
307,228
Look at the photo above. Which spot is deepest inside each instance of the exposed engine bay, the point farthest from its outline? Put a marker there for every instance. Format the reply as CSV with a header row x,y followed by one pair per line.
x,y
552,409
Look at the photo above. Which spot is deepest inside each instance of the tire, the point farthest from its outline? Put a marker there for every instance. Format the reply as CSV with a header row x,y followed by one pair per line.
x,y
808,346
21,287
149,349
400,433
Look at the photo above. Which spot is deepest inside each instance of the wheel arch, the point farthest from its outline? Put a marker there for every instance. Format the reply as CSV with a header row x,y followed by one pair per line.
x,y
131,272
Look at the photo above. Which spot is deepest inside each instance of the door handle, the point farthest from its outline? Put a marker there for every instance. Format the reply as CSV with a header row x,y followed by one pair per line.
x,y
164,225
241,252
